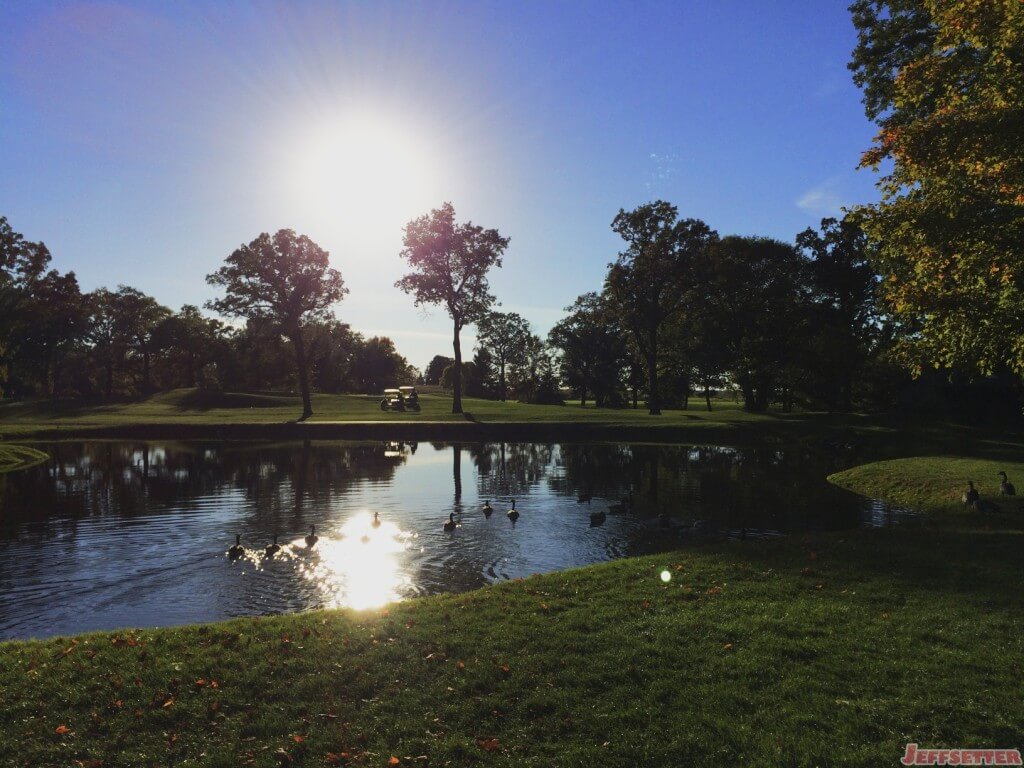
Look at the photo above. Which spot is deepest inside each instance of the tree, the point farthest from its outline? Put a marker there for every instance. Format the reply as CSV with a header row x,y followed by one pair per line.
x,y
449,264
756,302
842,287
943,81
503,334
191,341
286,278
593,349
435,368
376,365
650,280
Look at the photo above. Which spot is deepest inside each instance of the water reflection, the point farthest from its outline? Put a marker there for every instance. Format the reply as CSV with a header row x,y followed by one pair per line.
x,y
110,534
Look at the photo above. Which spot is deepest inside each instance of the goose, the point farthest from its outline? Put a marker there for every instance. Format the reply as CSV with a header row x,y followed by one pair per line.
x,y
513,514
1006,487
584,497
236,550
487,508
971,495
597,518
273,549
450,525
376,520
623,506
312,539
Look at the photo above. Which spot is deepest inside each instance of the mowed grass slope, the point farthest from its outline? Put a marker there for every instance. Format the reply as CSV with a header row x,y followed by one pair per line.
x,y
935,484
834,651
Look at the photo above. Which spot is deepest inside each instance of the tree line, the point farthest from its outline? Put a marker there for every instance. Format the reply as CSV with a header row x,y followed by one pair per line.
x,y
930,278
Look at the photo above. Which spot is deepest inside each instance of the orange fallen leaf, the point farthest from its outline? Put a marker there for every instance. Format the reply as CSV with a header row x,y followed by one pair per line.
x,y
488,745
298,739
201,682
727,647
505,668
715,591
169,702
61,730
394,760
460,665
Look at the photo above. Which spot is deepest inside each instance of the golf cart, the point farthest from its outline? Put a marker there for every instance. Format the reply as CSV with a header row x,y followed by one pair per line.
x,y
400,399
412,399
392,401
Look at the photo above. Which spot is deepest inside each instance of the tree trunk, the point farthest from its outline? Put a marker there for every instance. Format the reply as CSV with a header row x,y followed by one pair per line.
x,y
457,380
707,396
457,471
653,400
300,360
110,378
583,397
502,384
190,370
145,371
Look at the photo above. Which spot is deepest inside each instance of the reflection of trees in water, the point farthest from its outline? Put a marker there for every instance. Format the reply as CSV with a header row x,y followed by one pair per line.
x,y
131,478
510,469
754,487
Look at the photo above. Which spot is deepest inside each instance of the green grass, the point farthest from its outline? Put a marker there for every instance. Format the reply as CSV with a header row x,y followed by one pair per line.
x,y
14,457
933,484
836,651
883,435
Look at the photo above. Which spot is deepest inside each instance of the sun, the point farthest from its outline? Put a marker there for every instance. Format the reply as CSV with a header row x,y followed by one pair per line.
x,y
364,173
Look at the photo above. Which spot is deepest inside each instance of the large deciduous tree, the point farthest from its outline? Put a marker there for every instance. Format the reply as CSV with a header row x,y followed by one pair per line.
x,y
449,263
945,83
504,335
593,353
652,279
286,278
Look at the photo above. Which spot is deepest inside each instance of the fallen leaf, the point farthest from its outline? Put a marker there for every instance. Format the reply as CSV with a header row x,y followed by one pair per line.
x,y
61,730
505,669
715,591
201,682
298,739
169,702
727,647
460,665
394,760
488,745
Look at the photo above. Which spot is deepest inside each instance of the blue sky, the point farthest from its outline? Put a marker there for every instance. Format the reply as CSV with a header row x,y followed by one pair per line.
x,y
143,142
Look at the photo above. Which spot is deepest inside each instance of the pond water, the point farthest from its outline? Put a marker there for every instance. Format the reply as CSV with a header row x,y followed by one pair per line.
x,y
114,534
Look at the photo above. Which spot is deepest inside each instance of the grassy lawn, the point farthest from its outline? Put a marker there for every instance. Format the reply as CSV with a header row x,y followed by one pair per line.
x,y
13,457
934,484
883,435
836,650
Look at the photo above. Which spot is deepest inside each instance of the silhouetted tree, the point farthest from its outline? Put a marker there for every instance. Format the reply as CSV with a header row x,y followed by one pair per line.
x,y
449,264
286,278
435,368
649,282
593,349
503,334
376,365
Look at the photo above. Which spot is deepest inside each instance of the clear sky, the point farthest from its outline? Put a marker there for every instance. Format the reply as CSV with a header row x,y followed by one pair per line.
x,y
143,142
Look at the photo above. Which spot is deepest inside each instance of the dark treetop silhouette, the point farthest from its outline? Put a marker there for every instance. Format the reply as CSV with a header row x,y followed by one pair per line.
x,y
285,278
449,264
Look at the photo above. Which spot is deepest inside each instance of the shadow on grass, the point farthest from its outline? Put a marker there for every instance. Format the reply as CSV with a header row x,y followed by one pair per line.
x,y
199,400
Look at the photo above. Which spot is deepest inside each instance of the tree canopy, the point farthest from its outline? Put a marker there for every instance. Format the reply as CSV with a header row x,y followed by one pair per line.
x,y
449,263
945,82
285,278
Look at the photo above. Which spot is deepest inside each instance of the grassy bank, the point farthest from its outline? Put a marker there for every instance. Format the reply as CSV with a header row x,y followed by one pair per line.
x,y
934,484
193,414
14,457
836,650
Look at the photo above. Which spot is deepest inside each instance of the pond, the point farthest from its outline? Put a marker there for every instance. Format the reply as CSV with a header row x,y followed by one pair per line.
x,y
114,534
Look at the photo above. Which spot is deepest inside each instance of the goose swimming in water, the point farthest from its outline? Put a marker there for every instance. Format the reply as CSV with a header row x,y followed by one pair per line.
x,y
273,549
597,518
487,508
236,550
312,538
376,520
450,525
1006,487
513,514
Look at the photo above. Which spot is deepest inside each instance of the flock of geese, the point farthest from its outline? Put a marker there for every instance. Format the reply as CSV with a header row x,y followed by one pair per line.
x,y
972,498
596,519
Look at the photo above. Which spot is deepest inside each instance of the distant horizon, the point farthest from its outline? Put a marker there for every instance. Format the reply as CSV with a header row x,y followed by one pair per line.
x,y
144,144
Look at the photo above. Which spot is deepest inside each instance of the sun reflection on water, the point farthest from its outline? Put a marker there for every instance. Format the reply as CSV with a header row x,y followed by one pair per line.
x,y
358,566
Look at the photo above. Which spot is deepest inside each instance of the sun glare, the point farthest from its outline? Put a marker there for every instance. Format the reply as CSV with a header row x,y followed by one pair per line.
x,y
364,173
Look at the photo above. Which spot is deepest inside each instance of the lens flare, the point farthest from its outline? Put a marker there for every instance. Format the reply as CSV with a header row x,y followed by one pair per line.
x,y
666,576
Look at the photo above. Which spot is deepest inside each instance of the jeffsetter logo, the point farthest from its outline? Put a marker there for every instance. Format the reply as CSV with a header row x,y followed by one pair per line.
x,y
915,756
